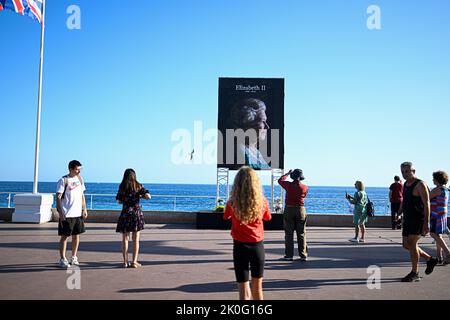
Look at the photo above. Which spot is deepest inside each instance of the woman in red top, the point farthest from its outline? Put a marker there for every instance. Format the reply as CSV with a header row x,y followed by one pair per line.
x,y
247,208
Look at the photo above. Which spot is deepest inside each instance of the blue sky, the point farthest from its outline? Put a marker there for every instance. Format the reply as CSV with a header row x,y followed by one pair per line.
x,y
358,102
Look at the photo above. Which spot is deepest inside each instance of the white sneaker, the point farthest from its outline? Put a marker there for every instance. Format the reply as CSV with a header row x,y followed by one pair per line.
x,y
361,240
354,239
63,263
74,261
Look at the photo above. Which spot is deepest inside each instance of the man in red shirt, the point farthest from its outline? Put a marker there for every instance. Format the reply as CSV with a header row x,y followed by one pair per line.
x,y
294,216
396,198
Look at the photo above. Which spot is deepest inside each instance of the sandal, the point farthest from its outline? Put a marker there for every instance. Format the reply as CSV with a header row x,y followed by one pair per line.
x,y
135,265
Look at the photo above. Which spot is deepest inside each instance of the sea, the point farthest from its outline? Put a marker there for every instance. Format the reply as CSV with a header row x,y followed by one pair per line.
x,y
199,197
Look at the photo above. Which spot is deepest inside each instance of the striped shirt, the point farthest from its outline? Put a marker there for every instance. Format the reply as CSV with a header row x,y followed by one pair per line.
x,y
439,204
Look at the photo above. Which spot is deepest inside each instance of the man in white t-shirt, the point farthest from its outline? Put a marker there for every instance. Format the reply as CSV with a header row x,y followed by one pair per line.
x,y
71,206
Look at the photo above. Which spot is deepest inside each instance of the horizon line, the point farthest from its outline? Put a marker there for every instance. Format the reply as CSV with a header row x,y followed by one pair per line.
x,y
209,184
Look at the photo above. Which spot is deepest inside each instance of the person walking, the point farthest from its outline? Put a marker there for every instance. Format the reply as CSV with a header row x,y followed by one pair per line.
x,y
294,215
438,217
131,219
247,208
71,207
416,218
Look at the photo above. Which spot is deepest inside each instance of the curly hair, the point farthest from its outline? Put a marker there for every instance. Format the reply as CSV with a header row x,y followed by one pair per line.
x,y
441,177
246,198
246,113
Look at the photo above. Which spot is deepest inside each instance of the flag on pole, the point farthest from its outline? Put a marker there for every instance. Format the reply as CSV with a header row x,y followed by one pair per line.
x,y
31,8
36,10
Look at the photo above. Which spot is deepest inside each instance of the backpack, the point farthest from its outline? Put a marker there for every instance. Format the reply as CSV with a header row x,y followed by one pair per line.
x,y
370,208
66,183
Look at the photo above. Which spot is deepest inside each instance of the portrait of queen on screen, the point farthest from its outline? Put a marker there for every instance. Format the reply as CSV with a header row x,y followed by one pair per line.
x,y
251,123
250,115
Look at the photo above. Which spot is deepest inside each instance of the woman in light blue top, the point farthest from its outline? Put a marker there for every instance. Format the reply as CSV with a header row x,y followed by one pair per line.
x,y
253,157
359,200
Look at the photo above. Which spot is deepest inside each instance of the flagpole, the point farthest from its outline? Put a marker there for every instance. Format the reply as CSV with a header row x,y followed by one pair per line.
x,y
38,125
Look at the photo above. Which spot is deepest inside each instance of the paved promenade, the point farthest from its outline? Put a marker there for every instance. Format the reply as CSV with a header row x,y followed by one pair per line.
x,y
180,262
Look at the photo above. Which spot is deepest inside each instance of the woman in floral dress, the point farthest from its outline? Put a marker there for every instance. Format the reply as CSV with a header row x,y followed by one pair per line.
x,y
131,218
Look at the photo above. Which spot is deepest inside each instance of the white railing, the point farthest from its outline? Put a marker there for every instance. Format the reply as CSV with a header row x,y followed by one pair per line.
x,y
174,197
90,198
382,205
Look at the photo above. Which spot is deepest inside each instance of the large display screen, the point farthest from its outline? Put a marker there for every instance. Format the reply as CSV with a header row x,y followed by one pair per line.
x,y
251,123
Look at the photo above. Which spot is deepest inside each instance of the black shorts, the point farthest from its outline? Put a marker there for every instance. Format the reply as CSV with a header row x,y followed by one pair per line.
x,y
412,227
248,256
71,227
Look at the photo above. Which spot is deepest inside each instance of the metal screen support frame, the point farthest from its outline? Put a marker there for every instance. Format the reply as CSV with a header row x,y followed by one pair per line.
x,y
222,186
277,190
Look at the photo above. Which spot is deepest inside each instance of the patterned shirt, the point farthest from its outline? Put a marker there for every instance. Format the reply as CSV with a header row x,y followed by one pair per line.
x,y
439,204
